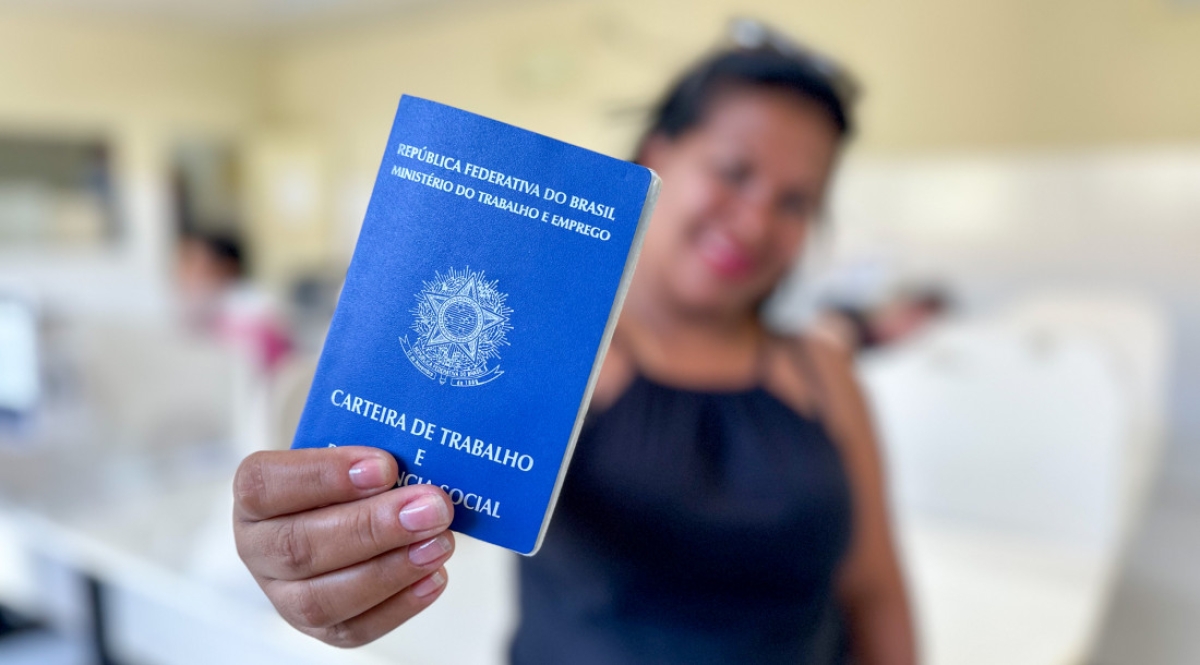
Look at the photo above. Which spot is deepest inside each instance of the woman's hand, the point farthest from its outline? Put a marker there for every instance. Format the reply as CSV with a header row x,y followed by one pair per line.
x,y
343,556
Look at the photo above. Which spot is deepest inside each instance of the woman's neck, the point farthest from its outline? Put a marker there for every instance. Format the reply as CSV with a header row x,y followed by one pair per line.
x,y
681,327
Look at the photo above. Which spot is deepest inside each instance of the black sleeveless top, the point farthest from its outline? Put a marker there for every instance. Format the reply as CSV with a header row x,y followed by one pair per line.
x,y
693,527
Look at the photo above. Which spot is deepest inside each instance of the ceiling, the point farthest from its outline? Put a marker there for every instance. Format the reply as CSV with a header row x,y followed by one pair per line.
x,y
255,16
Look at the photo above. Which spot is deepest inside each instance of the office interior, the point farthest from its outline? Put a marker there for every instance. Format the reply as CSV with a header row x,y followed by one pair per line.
x,y
1037,162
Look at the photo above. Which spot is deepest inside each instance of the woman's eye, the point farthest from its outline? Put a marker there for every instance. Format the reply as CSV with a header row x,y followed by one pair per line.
x,y
796,206
734,174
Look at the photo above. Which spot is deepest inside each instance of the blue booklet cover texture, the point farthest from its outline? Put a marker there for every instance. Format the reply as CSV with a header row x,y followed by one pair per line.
x,y
482,294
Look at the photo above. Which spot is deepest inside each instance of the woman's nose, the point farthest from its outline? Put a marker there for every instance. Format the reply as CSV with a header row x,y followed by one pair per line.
x,y
754,219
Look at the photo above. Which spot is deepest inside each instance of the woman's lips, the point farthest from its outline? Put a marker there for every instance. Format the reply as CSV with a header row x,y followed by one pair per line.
x,y
725,257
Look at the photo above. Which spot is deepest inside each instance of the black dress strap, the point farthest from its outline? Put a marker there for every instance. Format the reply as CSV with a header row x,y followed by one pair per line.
x,y
801,353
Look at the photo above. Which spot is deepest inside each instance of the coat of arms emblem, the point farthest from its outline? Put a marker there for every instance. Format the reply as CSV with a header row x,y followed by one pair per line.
x,y
460,320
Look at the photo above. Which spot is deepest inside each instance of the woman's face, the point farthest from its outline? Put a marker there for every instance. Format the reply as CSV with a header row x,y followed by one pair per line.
x,y
740,193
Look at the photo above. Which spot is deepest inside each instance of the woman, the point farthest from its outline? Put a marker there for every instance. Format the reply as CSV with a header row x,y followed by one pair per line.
x,y
725,503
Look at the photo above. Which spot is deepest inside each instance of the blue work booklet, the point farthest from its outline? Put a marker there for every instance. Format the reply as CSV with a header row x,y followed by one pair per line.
x,y
482,294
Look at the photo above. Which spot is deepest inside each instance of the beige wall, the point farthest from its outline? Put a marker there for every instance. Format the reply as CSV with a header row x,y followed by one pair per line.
x,y
61,69
142,87
941,76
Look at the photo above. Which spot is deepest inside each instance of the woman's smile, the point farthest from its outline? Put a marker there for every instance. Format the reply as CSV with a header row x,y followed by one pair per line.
x,y
724,255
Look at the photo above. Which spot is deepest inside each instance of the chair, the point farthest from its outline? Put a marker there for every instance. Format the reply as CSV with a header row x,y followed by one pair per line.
x,y
1005,453
1136,339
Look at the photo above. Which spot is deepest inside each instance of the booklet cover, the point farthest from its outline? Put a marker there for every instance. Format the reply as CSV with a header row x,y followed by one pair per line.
x,y
483,291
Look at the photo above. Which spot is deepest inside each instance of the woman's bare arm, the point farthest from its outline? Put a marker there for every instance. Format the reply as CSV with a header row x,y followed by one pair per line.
x,y
870,585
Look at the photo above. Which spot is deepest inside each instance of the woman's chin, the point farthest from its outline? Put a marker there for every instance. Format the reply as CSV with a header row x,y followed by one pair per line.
x,y
719,297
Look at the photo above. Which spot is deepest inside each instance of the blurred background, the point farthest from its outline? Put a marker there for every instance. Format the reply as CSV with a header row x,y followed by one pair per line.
x,y
1014,239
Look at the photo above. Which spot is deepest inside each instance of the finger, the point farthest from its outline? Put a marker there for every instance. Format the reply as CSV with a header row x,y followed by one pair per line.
x,y
336,597
385,617
303,545
281,482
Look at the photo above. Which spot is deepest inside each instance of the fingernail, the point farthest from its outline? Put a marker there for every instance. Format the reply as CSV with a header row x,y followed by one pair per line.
x,y
429,551
425,513
369,474
429,584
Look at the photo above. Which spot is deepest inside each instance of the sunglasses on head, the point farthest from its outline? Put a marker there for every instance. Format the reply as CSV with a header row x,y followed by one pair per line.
x,y
754,35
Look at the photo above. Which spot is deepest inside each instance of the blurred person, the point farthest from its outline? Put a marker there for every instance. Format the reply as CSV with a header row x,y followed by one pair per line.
x,y
725,503
219,301
899,317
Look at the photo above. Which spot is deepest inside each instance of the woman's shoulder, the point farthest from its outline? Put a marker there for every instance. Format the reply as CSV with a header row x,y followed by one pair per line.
x,y
617,372
830,352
